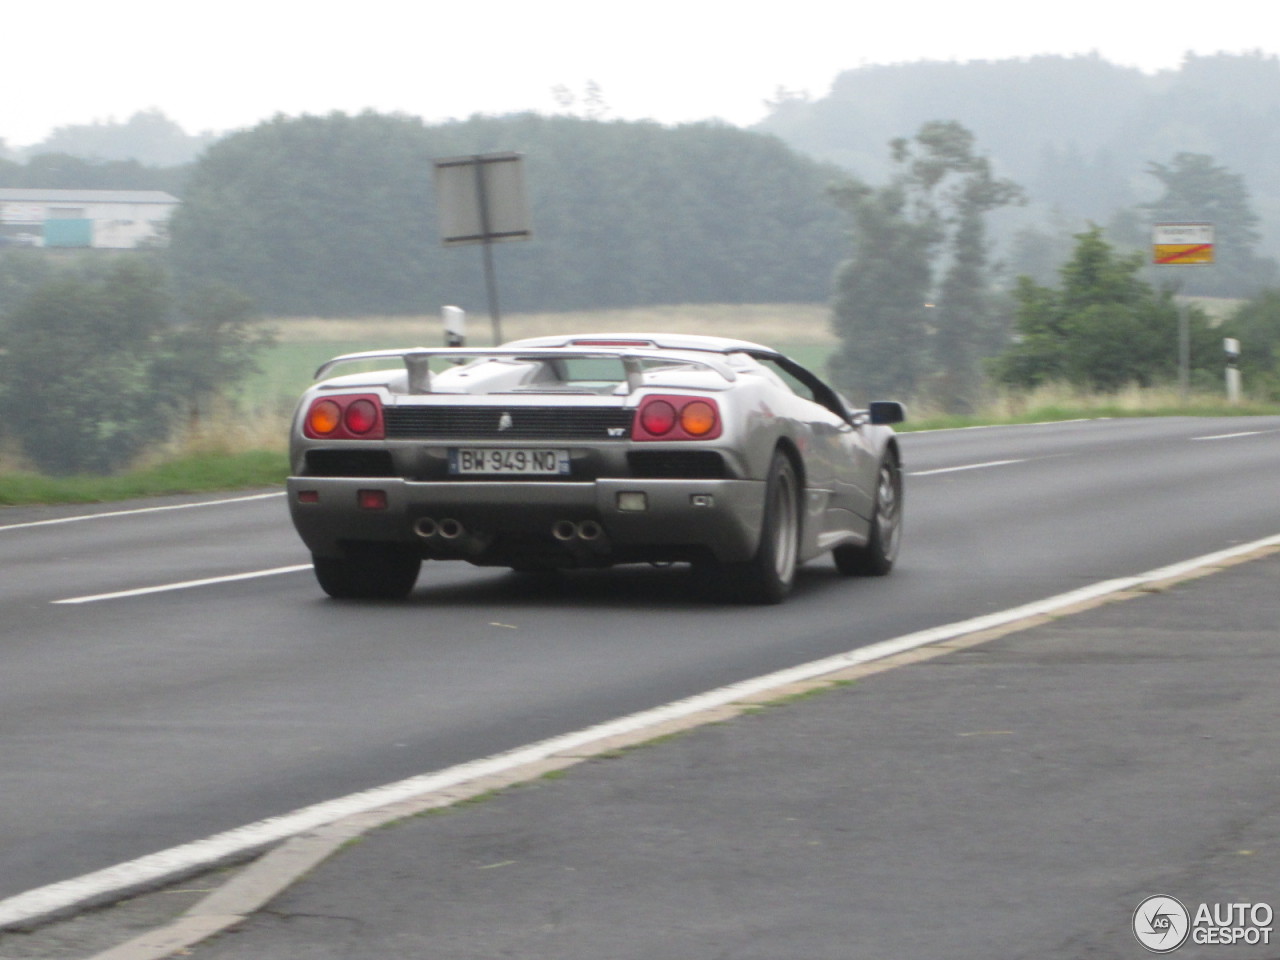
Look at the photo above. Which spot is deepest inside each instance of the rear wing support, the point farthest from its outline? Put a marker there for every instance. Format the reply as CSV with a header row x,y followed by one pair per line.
x,y
417,360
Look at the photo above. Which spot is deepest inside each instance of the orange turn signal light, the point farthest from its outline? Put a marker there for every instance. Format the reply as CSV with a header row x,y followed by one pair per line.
x,y
698,418
324,417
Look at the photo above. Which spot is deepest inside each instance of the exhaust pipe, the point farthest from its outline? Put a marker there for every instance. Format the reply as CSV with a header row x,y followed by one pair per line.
x,y
585,530
450,529
426,528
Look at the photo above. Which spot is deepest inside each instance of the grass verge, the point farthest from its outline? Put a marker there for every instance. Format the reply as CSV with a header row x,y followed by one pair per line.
x,y
190,473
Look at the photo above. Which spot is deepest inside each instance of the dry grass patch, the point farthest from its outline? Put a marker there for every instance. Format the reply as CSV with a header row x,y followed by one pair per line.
x,y
769,323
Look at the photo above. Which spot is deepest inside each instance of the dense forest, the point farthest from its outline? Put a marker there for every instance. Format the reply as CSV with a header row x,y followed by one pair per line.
x,y
335,215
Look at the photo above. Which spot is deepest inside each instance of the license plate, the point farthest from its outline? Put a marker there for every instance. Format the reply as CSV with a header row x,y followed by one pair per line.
x,y
518,462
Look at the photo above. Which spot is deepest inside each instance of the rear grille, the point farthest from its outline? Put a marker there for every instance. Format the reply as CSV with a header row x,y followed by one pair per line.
x,y
349,463
676,464
514,423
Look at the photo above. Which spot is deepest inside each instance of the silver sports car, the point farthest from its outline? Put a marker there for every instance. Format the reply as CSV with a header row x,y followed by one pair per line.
x,y
577,451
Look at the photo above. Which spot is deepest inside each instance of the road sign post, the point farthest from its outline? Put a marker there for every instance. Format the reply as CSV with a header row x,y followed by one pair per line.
x,y
481,199
1231,347
1181,245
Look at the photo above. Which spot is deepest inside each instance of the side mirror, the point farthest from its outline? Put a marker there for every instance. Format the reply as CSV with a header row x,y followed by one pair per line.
x,y
885,412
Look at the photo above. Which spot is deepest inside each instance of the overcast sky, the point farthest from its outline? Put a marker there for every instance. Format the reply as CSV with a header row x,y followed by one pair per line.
x,y
227,64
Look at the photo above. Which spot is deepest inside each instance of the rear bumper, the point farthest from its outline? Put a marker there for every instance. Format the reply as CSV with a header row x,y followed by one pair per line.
x,y
722,516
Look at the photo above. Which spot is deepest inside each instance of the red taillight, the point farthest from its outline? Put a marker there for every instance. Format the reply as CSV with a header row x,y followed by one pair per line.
x,y
657,417
356,417
361,416
677,418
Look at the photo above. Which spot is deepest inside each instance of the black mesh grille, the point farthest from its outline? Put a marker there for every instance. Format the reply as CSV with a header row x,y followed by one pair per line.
x,y
349,463
515,423
676,464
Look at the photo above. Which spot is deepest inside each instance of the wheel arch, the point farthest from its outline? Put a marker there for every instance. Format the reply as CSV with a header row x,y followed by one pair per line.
x,y
787,446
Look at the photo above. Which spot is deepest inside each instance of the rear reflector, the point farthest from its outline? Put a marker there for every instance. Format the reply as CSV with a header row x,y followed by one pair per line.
x,y
372,499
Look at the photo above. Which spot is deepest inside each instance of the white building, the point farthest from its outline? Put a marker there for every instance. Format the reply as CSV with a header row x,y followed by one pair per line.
x,y
100,219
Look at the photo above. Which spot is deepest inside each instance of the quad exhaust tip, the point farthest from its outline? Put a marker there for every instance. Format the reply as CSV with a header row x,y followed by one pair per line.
x,y
447,529
566,530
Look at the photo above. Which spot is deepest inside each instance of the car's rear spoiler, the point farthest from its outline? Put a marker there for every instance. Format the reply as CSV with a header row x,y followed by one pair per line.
x,y
417,360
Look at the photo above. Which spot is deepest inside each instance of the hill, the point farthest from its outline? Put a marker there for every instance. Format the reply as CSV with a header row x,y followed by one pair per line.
x,y
1076,132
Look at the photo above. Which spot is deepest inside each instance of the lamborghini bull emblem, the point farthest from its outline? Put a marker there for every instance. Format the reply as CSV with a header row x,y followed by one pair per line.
x,y
505,422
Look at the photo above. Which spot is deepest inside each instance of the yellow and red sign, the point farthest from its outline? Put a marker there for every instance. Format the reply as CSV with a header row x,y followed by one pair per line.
x,y
1182,243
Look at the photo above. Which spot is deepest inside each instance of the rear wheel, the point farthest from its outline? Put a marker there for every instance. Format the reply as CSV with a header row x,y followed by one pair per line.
x,y
881,550
373,571
768,576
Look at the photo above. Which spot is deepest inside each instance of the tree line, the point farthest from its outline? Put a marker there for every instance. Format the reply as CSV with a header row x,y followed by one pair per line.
x,y
335,215
921,311
1079,134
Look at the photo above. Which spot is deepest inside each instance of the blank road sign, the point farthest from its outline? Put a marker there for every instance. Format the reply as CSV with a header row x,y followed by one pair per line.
x,y
481,199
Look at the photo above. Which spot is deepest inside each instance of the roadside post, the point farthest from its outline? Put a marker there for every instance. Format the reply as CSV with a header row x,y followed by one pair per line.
x,y
1231,347
481,199
1183,244
455,326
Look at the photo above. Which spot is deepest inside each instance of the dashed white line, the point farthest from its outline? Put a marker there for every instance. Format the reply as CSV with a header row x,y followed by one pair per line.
x,y
127,513
967,466
185,584
1231,436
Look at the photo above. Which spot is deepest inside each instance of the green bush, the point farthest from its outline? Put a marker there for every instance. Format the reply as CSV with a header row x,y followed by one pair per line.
x,y
100,360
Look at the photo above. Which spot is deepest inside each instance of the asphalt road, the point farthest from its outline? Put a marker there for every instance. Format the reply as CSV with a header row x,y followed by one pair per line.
x,y
133,723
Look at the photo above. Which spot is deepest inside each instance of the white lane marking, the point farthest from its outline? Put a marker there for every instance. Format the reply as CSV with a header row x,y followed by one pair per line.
x,y
967,466
1231,436
129,513
199,854
185,584
997,426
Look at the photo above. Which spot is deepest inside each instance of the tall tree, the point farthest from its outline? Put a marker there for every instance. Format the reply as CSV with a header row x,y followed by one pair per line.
x,y
912,303
1198,189
1103,327
881,294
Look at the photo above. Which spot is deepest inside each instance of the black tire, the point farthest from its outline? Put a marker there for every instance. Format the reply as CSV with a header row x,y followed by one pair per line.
x,y
372,571
877,557
767,577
